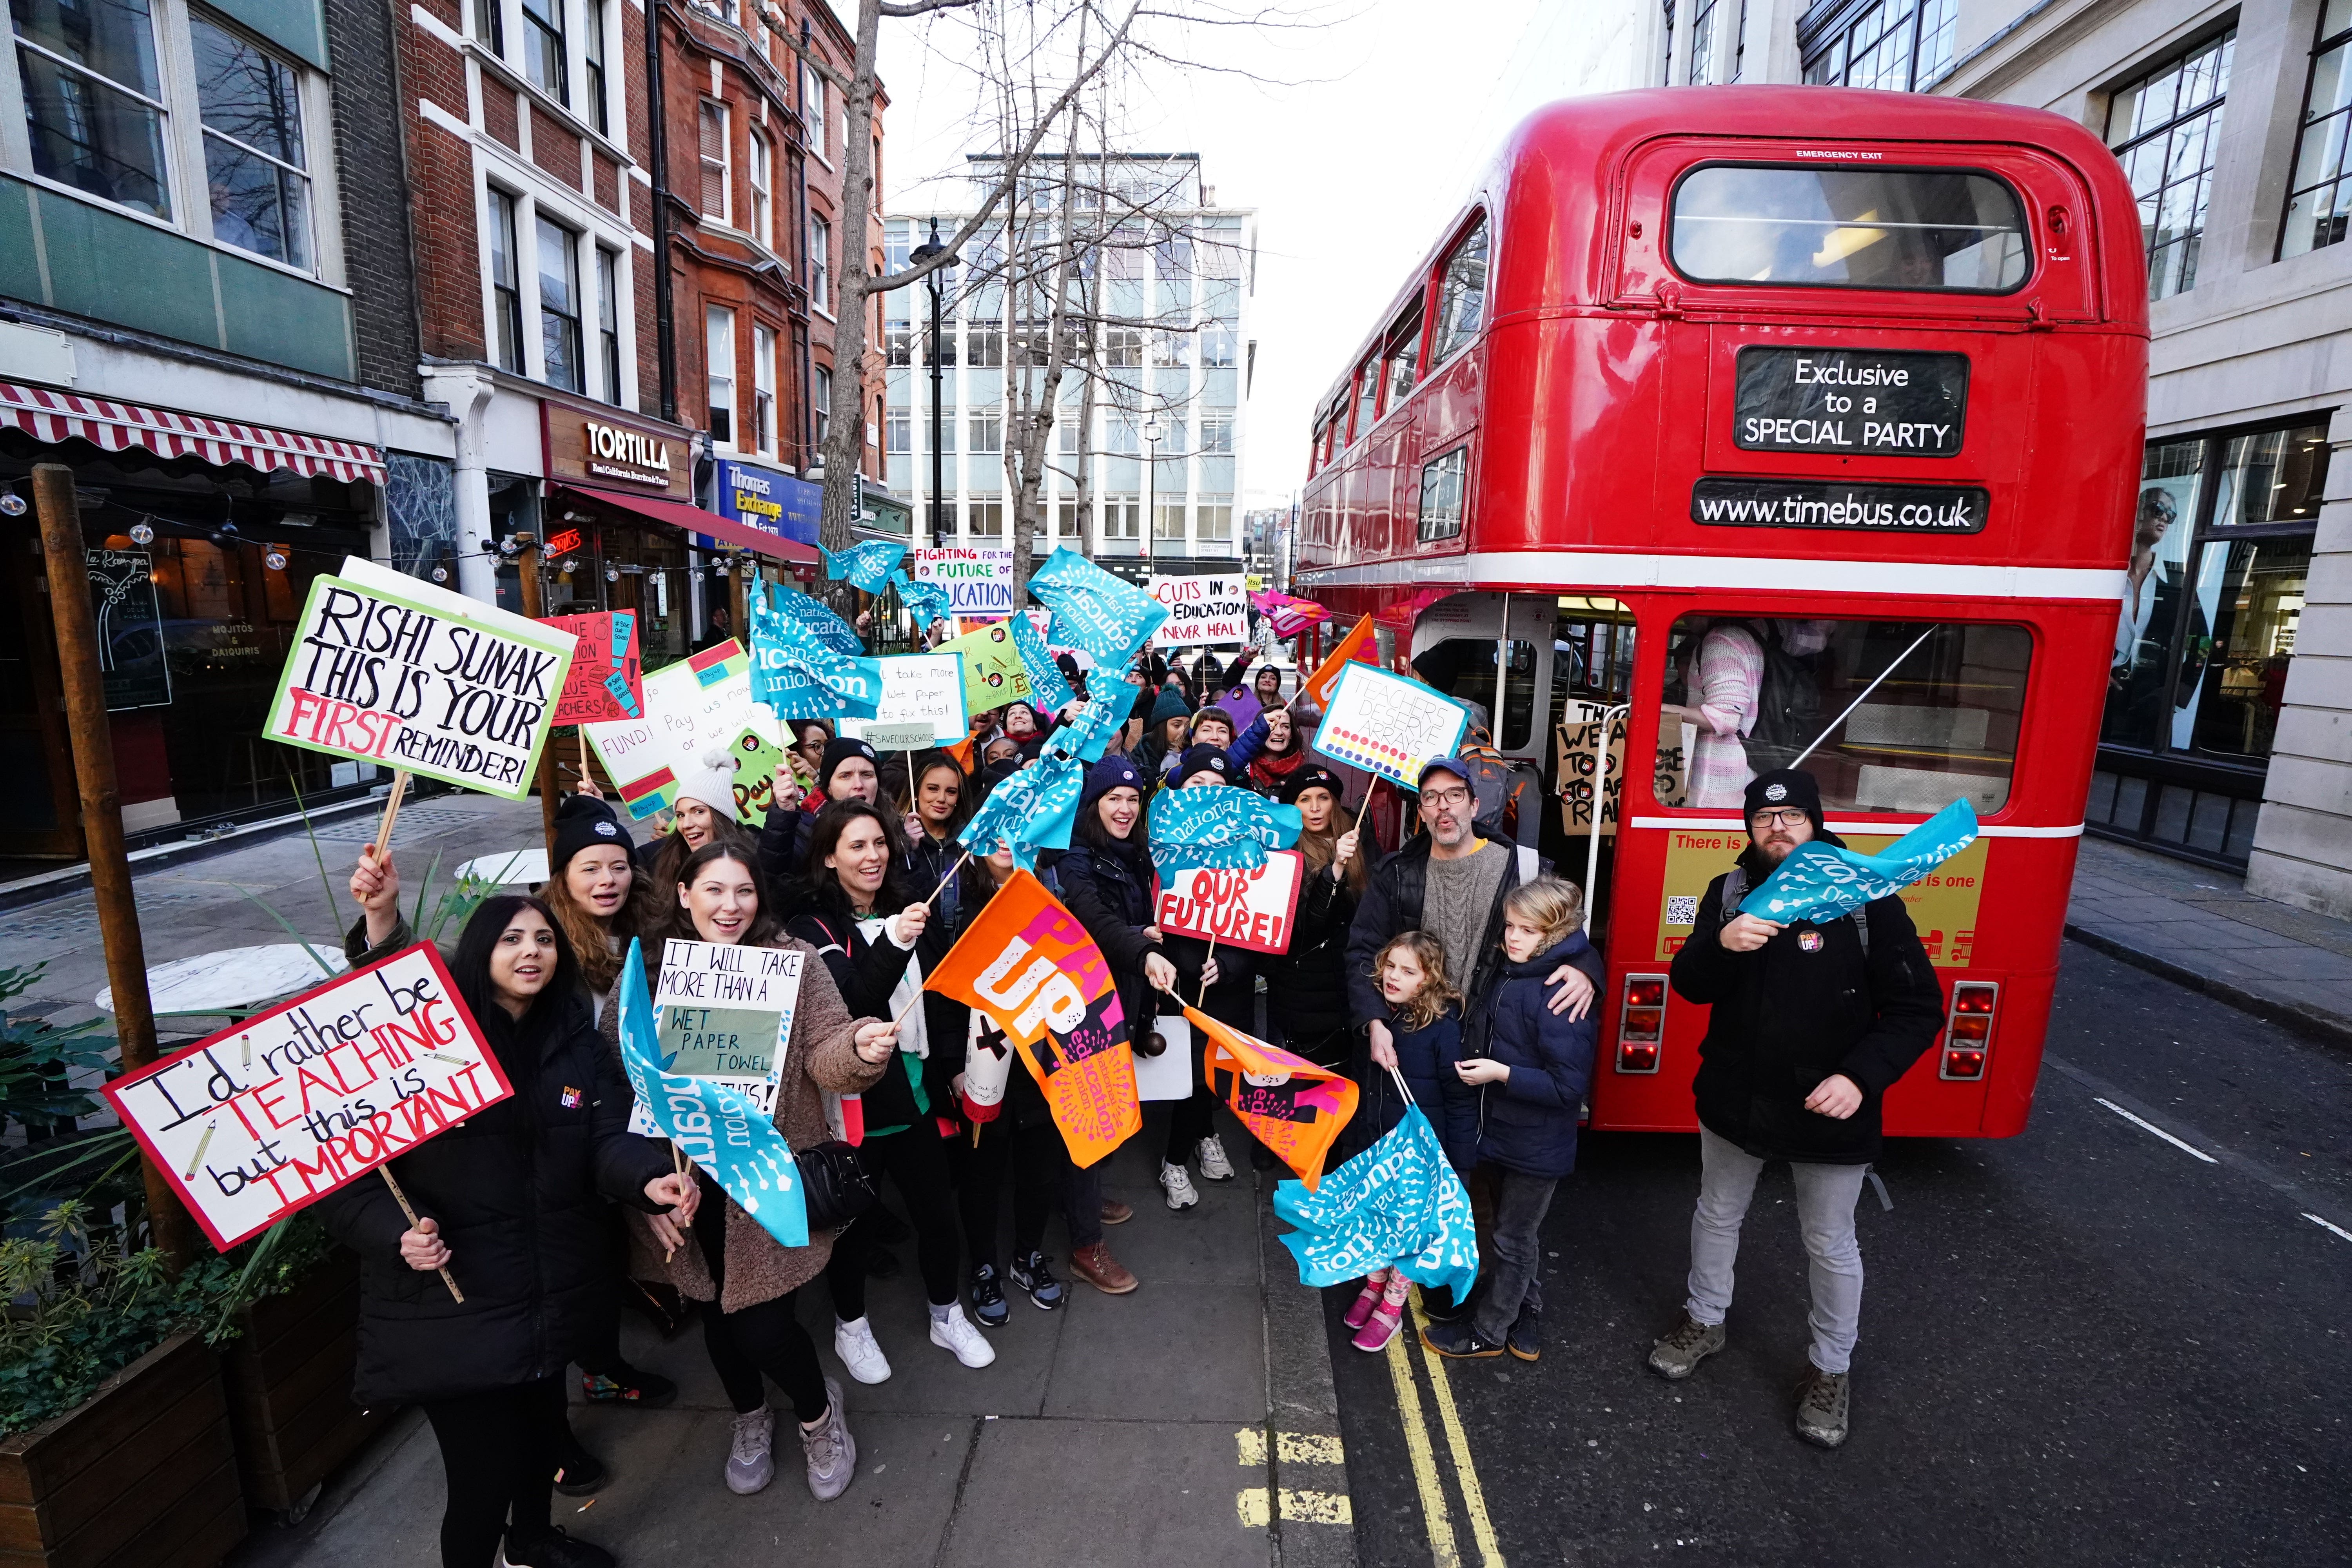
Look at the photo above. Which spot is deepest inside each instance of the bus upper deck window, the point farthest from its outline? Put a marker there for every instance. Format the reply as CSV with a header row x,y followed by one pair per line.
x,y
1849,228
1461,299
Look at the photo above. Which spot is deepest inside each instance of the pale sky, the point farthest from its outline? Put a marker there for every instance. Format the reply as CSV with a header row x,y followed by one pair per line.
x,y
1383,117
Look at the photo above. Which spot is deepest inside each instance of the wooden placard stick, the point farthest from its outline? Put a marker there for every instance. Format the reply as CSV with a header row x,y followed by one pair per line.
x,y
384,833
1204,1001
390,1181
951,876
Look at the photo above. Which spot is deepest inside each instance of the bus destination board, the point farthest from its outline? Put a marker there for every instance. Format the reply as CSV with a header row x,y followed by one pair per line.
x,y
1879,403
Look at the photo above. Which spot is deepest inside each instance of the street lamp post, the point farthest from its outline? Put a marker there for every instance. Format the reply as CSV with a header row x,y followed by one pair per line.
x,y
919,255
1151,488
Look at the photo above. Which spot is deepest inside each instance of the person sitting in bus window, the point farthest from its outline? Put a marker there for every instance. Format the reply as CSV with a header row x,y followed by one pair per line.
x,y
1725,677
1808,1027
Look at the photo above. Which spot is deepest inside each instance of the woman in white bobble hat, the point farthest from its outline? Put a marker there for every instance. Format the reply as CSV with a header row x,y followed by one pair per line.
x,y
703,812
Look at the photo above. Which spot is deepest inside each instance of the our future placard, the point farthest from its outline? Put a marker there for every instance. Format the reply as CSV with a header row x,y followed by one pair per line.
x,y
1248,907
277,1112
390,669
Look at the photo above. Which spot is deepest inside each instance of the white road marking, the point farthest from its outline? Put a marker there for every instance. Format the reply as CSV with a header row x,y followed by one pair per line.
x,y
2160,1132
2325,1224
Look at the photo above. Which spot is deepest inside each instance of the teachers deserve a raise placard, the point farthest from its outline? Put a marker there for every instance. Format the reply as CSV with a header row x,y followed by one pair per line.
x,y
390,669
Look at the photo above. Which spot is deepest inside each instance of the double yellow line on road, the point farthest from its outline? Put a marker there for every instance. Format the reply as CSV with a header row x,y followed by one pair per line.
x,y
1435,1511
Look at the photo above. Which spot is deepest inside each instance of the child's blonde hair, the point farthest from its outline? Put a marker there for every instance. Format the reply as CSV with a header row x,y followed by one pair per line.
x,y
1436,992
1553,907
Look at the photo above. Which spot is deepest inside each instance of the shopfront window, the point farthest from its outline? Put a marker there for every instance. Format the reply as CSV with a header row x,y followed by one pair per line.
x,y
1893,716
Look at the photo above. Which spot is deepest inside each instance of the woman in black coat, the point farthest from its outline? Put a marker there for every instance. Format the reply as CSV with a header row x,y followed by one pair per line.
x,y
511,1201
1306,986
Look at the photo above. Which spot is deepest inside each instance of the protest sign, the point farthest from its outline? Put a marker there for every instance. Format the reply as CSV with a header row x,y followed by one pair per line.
x,y
757,758
1819,882
387,669
1047,687
1093,610
1389,725
707,1120
692,708
1288,1104
1201,610
1361,645
1241,908
1576,745
992,672
605,683
1026,962
277,1111
979,582
725,1013
1218,826
918,688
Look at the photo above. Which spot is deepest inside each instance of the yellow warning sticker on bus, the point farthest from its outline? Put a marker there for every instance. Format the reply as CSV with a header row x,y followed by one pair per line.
x,y
1943,904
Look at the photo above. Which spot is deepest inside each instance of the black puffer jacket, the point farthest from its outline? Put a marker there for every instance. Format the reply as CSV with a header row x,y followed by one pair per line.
x,y
1110,892
867,970
520,1192
1808,1003
1307,987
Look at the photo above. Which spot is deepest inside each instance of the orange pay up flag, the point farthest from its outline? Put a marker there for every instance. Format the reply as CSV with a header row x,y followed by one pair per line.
x,y
1027,963
1358,647
1289,1104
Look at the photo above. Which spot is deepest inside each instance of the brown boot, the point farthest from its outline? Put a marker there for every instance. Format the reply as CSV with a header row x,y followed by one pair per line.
x,y
1098,1268
1114,1212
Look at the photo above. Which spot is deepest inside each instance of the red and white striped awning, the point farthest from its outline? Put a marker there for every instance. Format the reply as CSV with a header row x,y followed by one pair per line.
x,y
50,415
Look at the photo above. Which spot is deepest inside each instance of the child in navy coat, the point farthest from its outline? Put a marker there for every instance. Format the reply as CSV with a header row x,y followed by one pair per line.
x,y
1531,1068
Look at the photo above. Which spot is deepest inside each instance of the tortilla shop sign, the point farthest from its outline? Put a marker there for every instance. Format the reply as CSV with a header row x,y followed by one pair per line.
x,y
589,445
629,455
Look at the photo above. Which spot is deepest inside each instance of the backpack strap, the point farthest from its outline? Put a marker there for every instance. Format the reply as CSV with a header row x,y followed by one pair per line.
x,y
1860,918
1734,888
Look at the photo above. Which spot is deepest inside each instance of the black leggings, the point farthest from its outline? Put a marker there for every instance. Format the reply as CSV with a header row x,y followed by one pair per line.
x,y
1033,1155
916,1161
500,1451
766,1337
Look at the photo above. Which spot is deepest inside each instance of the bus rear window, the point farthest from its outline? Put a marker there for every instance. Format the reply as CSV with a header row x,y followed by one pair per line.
x,y
1849,228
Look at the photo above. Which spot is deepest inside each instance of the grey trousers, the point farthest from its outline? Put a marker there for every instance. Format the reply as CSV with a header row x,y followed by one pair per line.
x,y
1825,1199
1514,1283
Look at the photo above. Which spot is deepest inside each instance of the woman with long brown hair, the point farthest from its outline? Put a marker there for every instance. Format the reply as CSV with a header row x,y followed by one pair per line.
x,y
596,893
1307,987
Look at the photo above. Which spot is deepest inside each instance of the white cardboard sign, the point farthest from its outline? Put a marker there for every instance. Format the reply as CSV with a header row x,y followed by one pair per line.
x,y
725,1012
685,720
979,582
1242,908
1201,610
919,689
1389,725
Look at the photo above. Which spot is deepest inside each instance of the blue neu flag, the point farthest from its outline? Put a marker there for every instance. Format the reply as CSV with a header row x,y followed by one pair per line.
x,y
1033,810
926,601
1819,882
1047,689
717,1128
867,564
797,609
824,683
1218,827
1094,610
1398,1203
1086,734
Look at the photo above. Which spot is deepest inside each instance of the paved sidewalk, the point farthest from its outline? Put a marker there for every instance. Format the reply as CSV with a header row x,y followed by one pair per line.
x,y
2200,928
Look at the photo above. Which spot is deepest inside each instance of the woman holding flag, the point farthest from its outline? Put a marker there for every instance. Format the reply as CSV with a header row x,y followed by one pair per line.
x,y
512,1203
1307,987
877,961
748,1281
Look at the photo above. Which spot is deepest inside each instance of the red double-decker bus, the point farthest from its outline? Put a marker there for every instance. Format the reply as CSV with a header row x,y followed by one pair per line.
x,y
1740,427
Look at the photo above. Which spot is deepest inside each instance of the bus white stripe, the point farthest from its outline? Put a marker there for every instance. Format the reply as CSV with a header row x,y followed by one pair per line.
x,y
1732,824
1600,570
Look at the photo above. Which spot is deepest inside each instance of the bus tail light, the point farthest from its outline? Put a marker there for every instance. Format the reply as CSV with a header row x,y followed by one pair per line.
x,y
1967,1029
1642,1024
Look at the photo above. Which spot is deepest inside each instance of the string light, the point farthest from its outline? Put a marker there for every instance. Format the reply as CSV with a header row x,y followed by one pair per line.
x,y
12,504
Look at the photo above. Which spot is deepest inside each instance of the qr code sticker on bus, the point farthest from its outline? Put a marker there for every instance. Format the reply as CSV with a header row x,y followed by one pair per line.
x,y
1682,909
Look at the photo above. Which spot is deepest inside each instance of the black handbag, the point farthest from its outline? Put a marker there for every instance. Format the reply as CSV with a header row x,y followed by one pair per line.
x,y
835,1185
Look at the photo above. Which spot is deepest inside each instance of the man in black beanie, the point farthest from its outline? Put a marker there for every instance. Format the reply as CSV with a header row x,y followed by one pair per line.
x,y
1807,1027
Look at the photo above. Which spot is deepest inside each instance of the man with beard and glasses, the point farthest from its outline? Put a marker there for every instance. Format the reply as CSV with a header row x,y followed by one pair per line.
x,y
1808,1027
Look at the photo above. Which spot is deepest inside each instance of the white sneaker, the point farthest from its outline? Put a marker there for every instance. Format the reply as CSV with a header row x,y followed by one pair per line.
x,y
752,1465
854,1343
1214,1166
1177,1183
958,1333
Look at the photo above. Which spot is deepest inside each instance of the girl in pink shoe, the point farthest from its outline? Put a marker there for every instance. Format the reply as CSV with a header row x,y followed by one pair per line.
x,y
1425,1024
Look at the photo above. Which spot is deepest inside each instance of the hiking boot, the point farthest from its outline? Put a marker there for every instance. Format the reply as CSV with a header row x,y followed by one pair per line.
x,y
751,1460
1115,1212
1098,1268
555,1549
1459,1341
1675,1353
831,1451
1032,1273
1214,1166
1525,1338
955,1333
1177,1183
1822,1407
988,1307
626,1384
854,1343
578,1472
